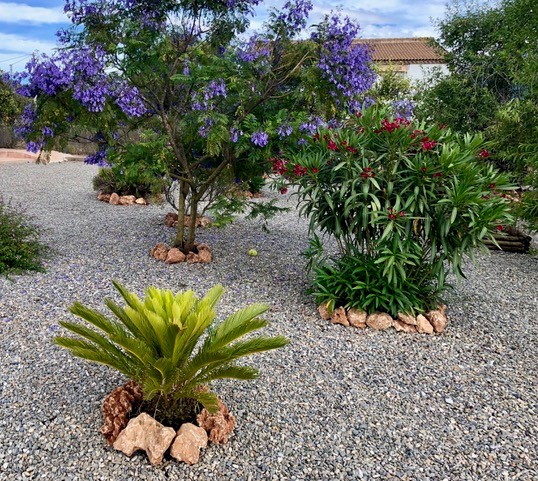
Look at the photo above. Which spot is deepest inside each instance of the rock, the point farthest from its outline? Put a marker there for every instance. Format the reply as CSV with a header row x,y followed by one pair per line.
x,y
160,251
339,317
423,325
401,326
407,318
219,426
141,201
379,321
357,318
203,221
437,319
174,256
205,256
189,440
103,197
117,408
170,219
143,432
193,258
114,199
324,311
127,200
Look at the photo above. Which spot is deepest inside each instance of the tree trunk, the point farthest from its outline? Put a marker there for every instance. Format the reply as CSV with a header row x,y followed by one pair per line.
x,y
180,236
189,244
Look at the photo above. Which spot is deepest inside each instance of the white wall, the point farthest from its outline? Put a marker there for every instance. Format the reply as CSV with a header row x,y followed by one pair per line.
x,y
417,72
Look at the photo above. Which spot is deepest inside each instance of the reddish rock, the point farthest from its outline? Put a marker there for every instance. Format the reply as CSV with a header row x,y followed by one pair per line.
x,y
117,408
193,258
141,201
379,321
437,319
103,197
357,318
114,199
339,317
189,440
144,433
219,426
407,318
127,200
205,256
203,221
423,325
160,251
401,326
170,219
324,311
174,256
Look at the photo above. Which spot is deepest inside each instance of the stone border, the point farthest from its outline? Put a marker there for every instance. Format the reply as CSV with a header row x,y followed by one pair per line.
x,y
427,323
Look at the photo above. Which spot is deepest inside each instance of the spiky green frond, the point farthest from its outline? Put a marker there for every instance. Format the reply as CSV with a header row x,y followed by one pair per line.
x,y
152,341
234,326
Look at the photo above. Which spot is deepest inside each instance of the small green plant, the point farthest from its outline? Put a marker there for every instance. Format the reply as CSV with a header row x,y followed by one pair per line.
x,y
153,342
20,248
403,201
132,182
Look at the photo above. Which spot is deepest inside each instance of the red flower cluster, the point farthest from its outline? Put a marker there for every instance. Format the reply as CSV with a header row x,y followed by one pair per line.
x,y
331,145
348,148
417,133
280,166
299,170
437,174
367,172
390,127
394,214
428,144
484,154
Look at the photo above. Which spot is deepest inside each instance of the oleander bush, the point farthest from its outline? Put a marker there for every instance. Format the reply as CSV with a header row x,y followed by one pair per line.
x,y
157,342
405,204
20,246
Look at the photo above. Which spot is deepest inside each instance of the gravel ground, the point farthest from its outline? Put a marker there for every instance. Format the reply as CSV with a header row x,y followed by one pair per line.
x,y
337,403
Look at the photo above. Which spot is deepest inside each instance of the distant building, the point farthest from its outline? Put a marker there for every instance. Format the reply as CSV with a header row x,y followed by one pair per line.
x,y
412,57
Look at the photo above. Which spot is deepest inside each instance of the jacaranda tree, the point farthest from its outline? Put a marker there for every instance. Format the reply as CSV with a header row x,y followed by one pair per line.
x,y
210,100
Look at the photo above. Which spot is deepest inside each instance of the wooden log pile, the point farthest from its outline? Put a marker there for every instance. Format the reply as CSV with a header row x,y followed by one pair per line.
x,y
512,241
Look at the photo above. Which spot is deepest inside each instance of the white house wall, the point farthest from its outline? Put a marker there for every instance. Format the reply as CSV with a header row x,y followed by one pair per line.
x,y
417,72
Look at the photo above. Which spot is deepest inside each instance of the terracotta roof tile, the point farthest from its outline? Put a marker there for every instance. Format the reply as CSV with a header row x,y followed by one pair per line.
x,y
403,50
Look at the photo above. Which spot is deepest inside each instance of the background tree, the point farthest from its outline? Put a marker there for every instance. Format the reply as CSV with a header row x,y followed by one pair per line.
x,y
177,69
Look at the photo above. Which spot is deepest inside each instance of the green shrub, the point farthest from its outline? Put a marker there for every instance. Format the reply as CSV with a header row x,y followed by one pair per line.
x,y
137,183
20,248
152,342
404,202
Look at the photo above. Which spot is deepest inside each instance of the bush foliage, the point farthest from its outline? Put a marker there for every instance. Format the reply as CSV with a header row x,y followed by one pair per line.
x,y
403,202
20,248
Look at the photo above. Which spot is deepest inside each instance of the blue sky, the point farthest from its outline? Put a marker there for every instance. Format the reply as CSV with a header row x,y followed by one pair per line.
x,y
30,26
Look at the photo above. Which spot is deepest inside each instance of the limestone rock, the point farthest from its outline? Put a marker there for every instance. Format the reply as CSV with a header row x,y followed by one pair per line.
x,y
205,256
401,326
423,325
324,311
160,251
117,408
379,321
127,200
174,256
114,199
143,432
203,221
193,258
339,317
141,201
357,318
170,219
189,440
103,197
407,318
437,319
219,425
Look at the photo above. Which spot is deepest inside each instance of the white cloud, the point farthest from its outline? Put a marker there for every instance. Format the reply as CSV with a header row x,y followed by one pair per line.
x,y
11,12
23,45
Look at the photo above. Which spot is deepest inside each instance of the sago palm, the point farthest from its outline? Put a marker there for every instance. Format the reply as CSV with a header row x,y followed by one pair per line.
x,y
153,342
